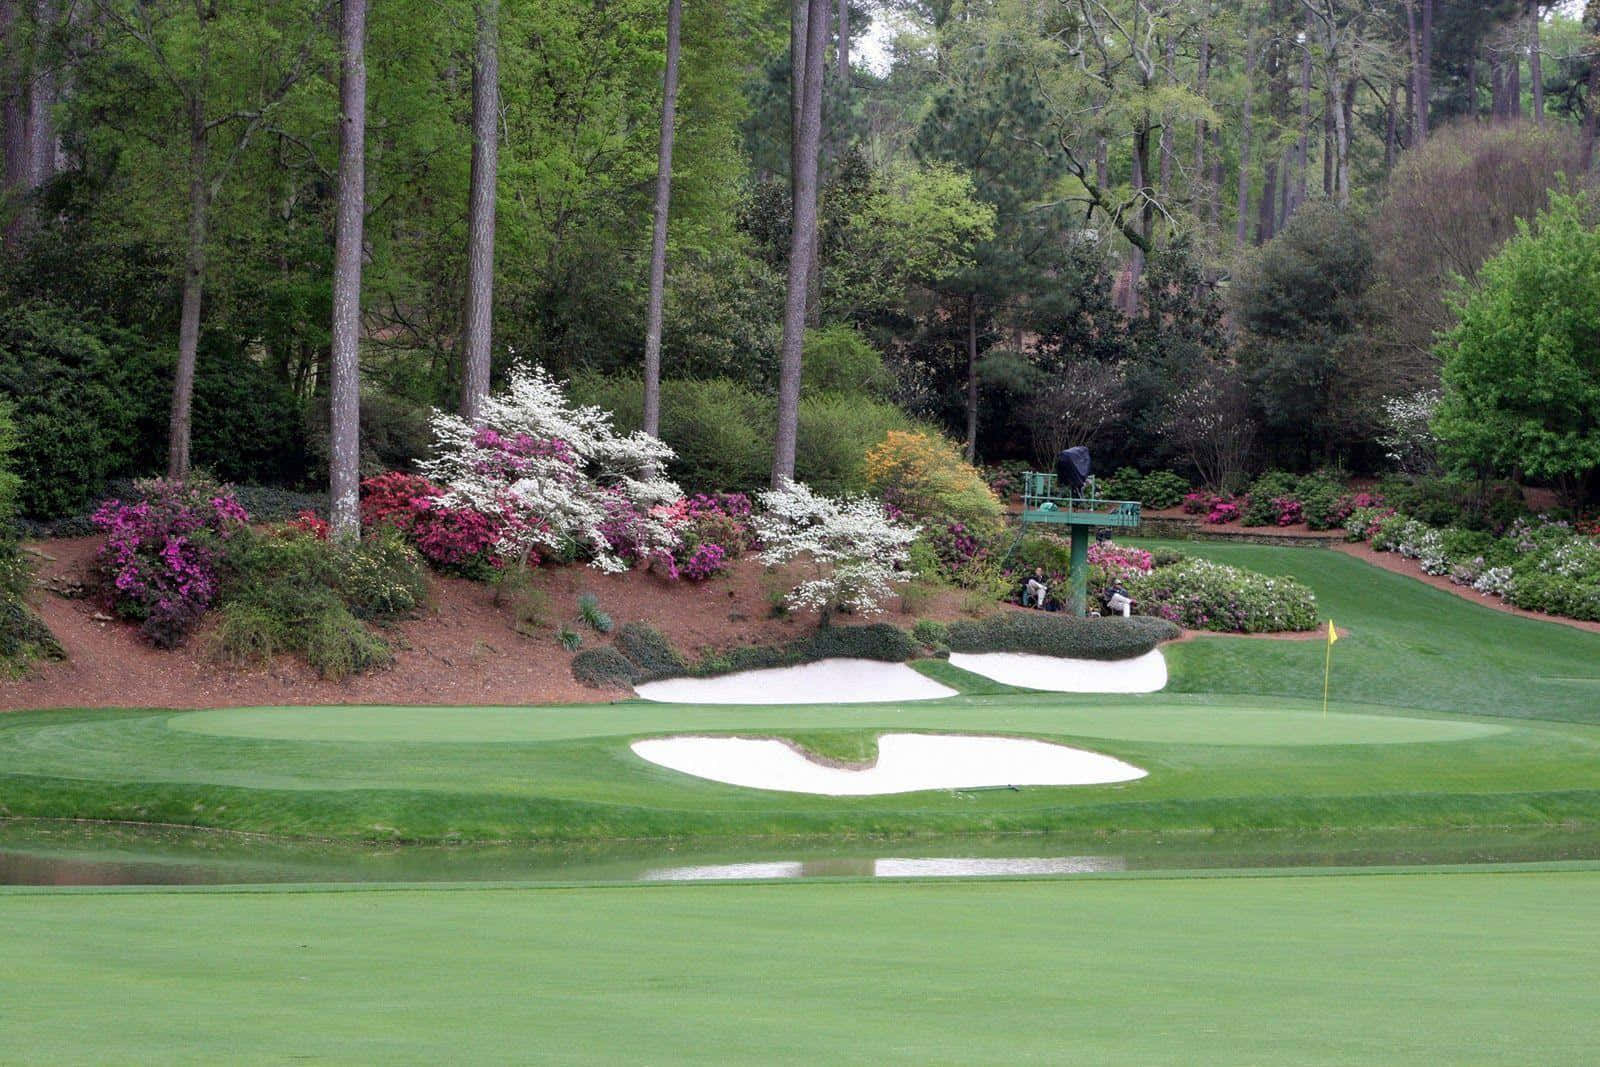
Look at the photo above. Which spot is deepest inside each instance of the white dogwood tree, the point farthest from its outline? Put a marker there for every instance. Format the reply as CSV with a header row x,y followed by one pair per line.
x,y
556,477
857,550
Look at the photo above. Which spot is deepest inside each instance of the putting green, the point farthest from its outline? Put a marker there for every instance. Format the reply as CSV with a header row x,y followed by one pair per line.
x,y
1161,723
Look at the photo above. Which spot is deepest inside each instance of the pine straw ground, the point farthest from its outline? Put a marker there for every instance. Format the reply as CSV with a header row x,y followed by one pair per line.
x,y
461,650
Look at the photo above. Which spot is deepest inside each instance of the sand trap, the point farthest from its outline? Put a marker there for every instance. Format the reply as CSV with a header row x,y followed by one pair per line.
x,y
829,681
906,763
1141,674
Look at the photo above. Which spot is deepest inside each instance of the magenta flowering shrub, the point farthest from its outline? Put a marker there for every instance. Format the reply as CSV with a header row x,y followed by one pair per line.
x,y
161,553
955,546
1288,510
1197,502
704,562
1122,559
710,530
1223,510
460,540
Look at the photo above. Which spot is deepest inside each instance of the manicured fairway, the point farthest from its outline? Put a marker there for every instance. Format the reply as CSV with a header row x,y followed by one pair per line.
x,y
1404,968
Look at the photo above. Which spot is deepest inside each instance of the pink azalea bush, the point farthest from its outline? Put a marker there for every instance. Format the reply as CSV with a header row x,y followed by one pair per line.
x,y
161,553
460,540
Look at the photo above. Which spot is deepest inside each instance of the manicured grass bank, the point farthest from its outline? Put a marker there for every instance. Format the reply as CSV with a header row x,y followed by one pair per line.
x,y
1472,718
1412,968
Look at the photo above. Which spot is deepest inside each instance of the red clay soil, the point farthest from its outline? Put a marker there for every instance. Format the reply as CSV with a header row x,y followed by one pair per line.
x,y
461,650
1398,564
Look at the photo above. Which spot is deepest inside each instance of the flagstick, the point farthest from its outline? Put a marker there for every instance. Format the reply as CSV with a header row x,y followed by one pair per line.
x,y
1327,665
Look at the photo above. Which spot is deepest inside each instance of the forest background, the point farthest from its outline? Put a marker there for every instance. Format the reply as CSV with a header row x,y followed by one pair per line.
x,y
1212,236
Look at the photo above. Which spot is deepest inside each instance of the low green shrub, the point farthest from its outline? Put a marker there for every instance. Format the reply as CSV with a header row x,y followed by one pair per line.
x,y
877,640
1159,490
1052,634
570,639
337,645
381,576
247,634
650,652
1203,595
1260,509
299,594
589,611
605,668
931,633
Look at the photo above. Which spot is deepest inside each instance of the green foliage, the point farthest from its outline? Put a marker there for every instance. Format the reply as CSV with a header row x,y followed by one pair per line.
x,y
570,639
591,615
381,576
1302,301
836,432
1522,369
604,668
930,633
879,641
721,430
837,359
1162,489
337,645
298,594
1053,634
650,652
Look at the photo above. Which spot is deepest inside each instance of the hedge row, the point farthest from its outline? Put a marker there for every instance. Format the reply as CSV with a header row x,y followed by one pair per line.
x,y
643,654
1052,634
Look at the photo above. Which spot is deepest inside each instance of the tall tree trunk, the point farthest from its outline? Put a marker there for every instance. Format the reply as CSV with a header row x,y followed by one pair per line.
x,y
1425,85
194,270
802,244
1591,120
1391,131
1341,132
41,101
971,448
1302,151
16,177
1202,88
1536,62
1141,188
1246,132
1497,89
658,241
1166,122
1514,86
1419,123
475,354
1214,210
843,55
344,462
1327,146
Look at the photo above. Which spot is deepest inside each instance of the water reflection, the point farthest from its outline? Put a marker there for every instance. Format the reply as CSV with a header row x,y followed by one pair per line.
x,y
70,854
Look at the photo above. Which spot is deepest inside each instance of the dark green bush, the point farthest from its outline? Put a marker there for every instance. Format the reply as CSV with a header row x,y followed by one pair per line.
x,y
298,594
878,640
605,668
338,645
650,652
1273,485
1051,634
1162,489
931,633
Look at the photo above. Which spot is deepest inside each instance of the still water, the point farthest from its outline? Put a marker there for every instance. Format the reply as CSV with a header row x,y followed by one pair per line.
x,y
73,854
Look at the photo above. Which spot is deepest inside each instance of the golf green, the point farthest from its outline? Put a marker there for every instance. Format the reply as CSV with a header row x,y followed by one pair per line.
x,y
1147,721
1457,968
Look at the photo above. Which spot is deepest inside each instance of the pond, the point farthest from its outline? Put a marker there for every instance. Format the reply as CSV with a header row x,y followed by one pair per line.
x,y
43,853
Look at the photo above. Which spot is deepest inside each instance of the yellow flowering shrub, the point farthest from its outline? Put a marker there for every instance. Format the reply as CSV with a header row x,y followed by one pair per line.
x,y
924,475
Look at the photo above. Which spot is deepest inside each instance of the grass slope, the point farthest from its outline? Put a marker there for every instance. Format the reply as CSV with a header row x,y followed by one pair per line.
x,y
1368,969
1506,738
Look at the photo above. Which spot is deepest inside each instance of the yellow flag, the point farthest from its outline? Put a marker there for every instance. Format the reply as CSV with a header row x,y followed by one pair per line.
x,y
1333,635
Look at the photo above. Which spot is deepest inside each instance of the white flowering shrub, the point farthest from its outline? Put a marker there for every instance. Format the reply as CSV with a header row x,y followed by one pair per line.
x,y
1494,581
555,477
1408,439
857,550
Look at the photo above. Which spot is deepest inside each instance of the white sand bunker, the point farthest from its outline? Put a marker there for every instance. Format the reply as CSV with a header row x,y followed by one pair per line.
x,y
1141,674
828,681
906,763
